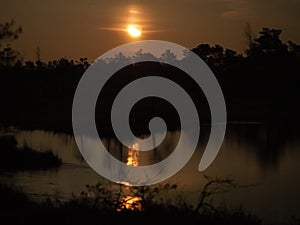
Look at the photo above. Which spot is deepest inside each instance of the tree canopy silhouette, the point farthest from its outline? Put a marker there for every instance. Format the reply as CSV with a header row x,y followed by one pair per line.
x,y
261,85
8,33
268,43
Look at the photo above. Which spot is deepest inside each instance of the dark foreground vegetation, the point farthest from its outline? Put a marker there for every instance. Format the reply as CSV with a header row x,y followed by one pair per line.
x,y
15,159
126,205
116,206
260,85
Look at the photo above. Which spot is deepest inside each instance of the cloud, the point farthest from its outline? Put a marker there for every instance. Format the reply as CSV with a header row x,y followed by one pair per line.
x,y
232,14
234,9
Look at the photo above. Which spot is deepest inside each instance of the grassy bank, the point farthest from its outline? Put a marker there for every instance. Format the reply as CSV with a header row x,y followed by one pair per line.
x,y
25,158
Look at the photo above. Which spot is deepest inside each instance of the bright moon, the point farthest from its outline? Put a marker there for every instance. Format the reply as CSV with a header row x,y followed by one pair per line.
x,y
134,31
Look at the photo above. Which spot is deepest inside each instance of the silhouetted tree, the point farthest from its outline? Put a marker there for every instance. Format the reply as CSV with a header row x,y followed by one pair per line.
x,y
218,58
211,187
8,33
203,50
9,57
294,48
268,43
168,55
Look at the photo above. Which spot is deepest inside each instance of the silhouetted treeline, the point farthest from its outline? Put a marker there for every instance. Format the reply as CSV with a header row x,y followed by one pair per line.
x,y
261,85
39,95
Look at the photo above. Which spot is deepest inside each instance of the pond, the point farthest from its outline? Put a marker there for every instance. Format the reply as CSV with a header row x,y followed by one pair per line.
x,y
263,159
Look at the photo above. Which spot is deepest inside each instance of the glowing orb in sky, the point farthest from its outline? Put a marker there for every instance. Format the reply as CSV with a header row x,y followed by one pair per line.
x,y
134,31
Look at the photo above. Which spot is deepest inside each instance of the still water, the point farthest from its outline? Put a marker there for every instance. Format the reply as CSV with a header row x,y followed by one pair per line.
x,y
263,158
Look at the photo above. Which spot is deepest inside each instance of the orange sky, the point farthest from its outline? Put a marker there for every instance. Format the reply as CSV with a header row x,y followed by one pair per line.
x,y
87,28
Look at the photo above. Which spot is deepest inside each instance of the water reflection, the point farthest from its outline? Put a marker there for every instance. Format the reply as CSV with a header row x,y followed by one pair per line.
x,y
251,154
62,144
133,156
131,202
